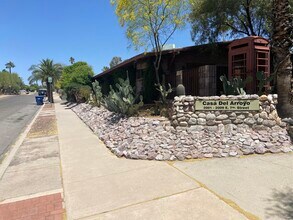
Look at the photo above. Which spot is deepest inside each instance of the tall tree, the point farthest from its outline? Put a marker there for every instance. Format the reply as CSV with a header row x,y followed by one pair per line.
x,y
76,81
71,60
105,68
282,43
46,68
151,23
10,65
217,20
10,83
115,61
79,73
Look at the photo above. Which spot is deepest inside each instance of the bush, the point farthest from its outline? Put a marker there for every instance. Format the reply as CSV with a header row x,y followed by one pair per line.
x,y
78,93
76,82
122,99
79,73
10,83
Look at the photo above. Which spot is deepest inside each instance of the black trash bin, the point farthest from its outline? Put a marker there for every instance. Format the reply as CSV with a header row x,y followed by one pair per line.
x,y
40,100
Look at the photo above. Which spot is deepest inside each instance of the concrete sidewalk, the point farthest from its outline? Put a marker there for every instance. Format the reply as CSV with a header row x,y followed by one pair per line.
x,y
260,184
98,185
31,186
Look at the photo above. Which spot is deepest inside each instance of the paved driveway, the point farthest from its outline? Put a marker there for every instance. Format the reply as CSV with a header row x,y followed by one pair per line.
x,y
261,184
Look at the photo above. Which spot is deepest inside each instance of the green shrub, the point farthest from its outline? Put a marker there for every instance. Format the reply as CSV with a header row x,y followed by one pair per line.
x,y
78,93
122,99
79,73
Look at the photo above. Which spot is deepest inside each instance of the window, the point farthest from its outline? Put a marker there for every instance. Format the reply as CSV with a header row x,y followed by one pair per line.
x,y
239,66
262,62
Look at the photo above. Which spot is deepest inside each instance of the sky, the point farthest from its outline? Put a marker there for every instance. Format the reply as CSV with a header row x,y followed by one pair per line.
x,y
87,30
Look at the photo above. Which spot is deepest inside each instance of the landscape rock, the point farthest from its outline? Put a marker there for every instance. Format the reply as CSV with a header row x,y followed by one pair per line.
x,y
153,138
210,116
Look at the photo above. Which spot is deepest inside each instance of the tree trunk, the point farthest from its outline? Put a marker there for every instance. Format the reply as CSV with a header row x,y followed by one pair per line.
x,y
48,90
281,45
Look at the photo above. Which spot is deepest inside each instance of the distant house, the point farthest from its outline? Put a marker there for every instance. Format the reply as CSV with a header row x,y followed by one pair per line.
x,y
198,68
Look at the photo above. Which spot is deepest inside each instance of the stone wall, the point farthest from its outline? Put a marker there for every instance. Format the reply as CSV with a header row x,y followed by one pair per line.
x,y
289,122
185,115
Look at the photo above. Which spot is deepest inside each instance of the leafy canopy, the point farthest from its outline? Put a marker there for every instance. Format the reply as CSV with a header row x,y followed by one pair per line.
x,y
46,68
9,66
71,60
79,73
217,20
105,68
115,61
10,82
152,22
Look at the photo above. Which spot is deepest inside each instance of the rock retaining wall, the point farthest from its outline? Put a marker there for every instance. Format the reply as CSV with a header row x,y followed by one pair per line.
x,y
153,138
185,114
289,122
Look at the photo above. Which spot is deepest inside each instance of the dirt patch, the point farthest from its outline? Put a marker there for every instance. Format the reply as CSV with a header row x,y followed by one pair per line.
x,y
49,107
43,126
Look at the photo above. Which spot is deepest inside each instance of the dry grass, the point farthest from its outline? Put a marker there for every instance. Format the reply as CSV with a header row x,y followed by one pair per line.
x,y
43,126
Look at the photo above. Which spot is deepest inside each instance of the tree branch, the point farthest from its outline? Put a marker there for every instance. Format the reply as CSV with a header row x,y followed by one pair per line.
x,y
236,29
247,9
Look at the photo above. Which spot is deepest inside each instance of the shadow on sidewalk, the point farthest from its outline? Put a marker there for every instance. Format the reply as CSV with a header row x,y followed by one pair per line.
x,y
281,204
69,105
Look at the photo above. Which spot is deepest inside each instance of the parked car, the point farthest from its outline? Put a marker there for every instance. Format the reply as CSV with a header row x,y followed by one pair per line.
x,y
42,92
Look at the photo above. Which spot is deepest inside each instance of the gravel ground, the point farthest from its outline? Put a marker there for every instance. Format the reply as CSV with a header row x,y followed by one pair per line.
x,y
154,138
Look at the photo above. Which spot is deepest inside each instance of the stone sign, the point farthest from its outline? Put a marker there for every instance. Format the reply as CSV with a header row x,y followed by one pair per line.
x,y
227,105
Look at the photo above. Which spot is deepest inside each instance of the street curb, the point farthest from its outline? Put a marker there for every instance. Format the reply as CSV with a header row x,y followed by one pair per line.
x,y
5,96
13,148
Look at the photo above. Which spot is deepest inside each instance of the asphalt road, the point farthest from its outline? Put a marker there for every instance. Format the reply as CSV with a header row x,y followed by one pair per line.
x,y
16,112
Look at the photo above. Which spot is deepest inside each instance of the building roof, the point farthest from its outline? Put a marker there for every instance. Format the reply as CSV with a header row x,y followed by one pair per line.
x,y
250,40
143,56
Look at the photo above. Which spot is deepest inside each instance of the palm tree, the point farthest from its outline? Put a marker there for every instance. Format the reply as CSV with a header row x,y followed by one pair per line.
x,y
46,68
71,60
9,66
282,42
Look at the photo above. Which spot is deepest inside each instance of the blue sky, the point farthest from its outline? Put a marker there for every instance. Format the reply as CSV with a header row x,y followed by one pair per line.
x,y
89,31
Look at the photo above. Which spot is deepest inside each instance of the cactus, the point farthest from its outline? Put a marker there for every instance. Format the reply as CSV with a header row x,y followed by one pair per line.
x,y
228,89
262,81
235,86
122,99
164,92
180,90
98,93
238,85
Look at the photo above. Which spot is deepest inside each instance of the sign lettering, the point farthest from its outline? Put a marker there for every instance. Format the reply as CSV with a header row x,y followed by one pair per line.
x,y
227,105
